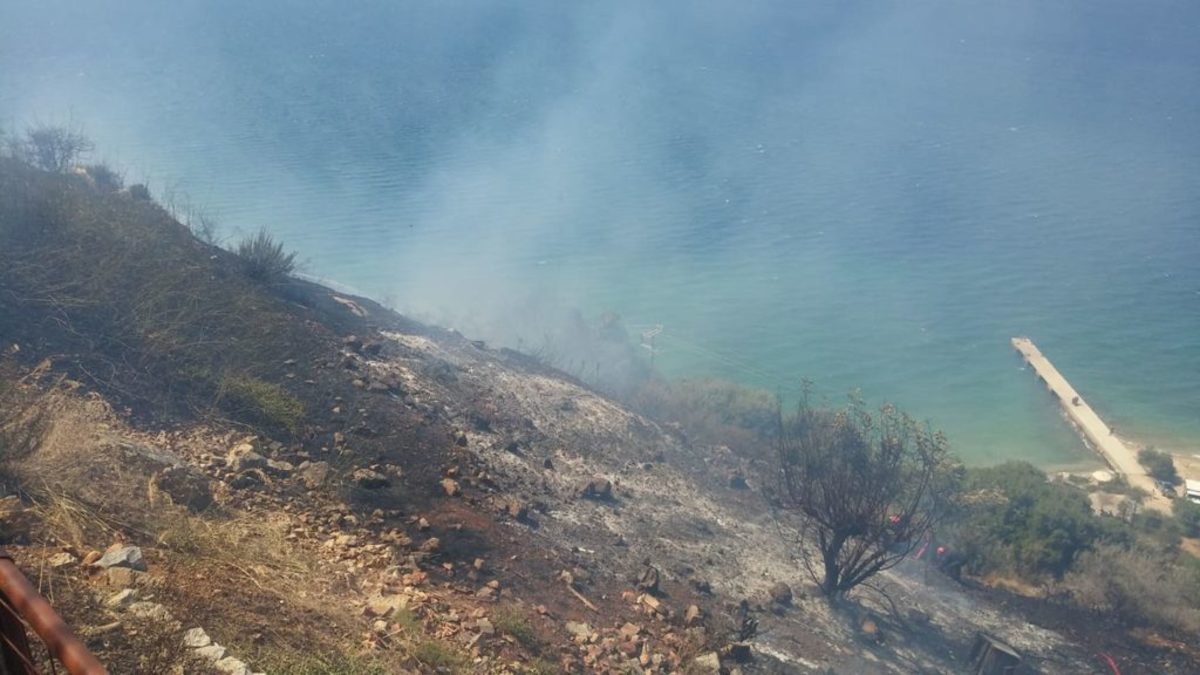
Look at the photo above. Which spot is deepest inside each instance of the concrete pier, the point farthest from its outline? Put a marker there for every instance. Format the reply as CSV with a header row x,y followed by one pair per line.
x,y
1119,456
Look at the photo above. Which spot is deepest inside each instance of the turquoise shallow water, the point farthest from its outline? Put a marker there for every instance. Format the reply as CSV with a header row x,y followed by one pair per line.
x,y
873,195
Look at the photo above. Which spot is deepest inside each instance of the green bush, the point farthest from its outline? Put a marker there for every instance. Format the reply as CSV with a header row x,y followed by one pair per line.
x,y
264,259
261,402
1159,465
510,621
1187,513
1138,587
1010,518
439,656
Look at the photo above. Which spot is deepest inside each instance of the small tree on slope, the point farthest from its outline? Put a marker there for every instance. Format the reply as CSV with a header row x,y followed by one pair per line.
x,y
868,488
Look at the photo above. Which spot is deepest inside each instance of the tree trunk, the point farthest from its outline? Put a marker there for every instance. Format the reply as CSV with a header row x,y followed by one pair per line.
x,y
832,570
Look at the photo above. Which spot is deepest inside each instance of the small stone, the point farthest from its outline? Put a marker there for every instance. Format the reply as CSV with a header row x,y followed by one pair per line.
x,y
707,664
369,479
423,524
119,555
196,638
314,474
232,666
649,580
91,558
485,627
150,610
451,487
212,652
61,560
693,616
579,630
277,467
121,598
122,577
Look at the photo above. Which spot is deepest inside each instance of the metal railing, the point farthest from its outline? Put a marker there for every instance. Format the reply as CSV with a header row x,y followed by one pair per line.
x,y
21,605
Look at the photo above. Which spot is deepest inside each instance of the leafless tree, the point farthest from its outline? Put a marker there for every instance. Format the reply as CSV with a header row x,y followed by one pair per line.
x,y
868,487
55,148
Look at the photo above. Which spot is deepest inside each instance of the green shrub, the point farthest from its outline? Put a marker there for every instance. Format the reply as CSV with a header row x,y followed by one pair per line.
x,y
1187,513
510,621
261,402
1010,518
264,259
439,656
1159,465
1138,587
139,192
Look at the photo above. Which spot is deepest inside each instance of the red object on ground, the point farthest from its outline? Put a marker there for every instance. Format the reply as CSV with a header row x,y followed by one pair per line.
x,y
1111,664
20,601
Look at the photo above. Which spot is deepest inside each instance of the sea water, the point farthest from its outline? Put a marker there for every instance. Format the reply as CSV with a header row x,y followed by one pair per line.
x,y
871,195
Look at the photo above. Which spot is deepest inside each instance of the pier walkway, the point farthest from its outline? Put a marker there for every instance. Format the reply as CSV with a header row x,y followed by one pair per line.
x,y
1119,455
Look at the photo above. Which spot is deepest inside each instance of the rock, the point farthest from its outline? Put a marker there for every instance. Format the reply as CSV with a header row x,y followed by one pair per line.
x,y
451,487
120,598
314,474
195,638
182,486
702,586
485,627
212,652
232,666
121,555
91,558
243,457
280,468
61,559
579,630
599,489
431,545
693,616
739,651
649,580
149,610
122,577
250,478
423,524
737,481
781,594
517,509
708,664
369,479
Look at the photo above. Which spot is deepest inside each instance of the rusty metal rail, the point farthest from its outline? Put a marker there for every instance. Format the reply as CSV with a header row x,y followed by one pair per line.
x,y
20,603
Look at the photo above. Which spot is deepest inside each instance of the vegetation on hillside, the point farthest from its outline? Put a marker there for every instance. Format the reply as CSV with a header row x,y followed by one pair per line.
x,y
868,487
147,312
1159,465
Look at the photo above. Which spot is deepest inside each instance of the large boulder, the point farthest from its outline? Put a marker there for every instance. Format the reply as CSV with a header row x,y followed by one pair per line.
x,y
600,489
243,456
781,594
182,486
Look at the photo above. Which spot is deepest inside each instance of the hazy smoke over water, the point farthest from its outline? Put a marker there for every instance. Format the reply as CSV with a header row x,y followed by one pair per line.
x,y
871,194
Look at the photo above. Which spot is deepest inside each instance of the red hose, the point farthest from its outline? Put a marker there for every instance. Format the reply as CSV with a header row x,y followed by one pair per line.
x,y
1111,664
17,592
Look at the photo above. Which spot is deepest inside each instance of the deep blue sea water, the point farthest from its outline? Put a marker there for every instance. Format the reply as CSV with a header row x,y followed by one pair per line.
x,y
870,194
